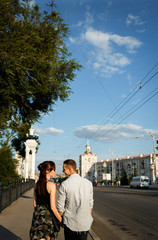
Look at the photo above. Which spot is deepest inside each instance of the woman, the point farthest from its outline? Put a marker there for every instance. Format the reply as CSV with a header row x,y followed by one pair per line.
x,y
44,201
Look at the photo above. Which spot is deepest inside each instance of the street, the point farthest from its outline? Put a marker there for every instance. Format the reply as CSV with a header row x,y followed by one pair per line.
x,y
123,213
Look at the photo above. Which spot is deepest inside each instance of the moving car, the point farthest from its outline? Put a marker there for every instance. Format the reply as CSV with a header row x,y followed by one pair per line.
x,y
140,182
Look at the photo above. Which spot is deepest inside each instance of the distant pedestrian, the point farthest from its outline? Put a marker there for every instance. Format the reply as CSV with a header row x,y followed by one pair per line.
x,y
75,202
44,202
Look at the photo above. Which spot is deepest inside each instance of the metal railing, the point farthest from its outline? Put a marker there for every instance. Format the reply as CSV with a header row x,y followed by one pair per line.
x,y
13,192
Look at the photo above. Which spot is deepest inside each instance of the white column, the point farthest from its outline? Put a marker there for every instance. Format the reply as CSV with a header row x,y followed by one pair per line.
x,y
152,168
31,146
26,170
32,172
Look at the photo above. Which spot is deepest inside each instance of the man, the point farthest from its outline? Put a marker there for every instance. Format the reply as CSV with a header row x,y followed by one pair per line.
x,y
75,203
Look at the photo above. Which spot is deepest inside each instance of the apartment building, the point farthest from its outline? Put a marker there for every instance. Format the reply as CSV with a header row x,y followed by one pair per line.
x,y
144,165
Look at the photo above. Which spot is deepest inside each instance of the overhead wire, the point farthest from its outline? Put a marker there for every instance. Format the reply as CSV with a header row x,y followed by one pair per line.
x,y
118,109
129,114
106,120
126,100
123,102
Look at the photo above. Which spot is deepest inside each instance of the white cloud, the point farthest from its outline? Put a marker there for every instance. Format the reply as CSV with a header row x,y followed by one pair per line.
x,y
141,30
104,41
79,24
111,133
131,19
48,131
98,39
89,18
107,57
118,59
72,40
127,41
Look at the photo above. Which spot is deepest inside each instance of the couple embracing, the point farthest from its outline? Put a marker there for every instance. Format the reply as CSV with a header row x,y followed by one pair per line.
x,y
74,204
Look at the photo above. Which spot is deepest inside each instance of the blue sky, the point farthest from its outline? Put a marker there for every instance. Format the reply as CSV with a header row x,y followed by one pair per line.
x,y
114,100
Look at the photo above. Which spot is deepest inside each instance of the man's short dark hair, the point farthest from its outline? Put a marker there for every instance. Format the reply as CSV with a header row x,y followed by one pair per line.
x,y
70,162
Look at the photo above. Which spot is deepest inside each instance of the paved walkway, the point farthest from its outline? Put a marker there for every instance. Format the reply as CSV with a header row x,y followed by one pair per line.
x,y
15,220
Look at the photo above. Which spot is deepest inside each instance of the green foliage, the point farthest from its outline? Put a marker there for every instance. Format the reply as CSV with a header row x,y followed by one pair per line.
x,y
135,173
36,67
117,178
7,165
124,180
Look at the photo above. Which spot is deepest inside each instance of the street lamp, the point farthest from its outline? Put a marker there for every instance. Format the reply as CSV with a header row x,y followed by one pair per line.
x,y
154,158
104,174
112,170
153,163
153,141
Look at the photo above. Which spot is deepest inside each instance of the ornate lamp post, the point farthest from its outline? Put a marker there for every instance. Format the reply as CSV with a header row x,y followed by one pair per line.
x,y
154,156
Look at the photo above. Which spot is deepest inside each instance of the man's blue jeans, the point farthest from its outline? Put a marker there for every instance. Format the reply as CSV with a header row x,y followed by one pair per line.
x,y
72,235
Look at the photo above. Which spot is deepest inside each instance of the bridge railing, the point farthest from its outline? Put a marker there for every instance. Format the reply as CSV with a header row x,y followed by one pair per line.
x,y
13,192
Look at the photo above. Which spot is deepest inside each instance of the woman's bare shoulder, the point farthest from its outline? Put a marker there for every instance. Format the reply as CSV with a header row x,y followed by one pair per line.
x,y
51,185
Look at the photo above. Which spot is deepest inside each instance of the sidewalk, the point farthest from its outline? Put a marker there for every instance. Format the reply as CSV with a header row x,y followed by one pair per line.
x,y
15,220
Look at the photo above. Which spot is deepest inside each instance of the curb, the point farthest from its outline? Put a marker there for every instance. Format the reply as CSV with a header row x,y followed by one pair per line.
x,y
93,235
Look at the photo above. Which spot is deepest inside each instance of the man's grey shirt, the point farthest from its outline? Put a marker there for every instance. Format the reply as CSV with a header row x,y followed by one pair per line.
x,y
75,200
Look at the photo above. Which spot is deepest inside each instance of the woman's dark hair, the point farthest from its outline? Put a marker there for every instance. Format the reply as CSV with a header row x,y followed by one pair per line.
x,y
43,167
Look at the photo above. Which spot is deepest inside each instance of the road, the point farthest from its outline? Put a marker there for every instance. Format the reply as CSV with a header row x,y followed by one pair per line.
x,y
125,214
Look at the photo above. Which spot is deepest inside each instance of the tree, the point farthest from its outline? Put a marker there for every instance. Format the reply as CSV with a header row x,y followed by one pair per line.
x,y
124,180
134,174
36,67
7,165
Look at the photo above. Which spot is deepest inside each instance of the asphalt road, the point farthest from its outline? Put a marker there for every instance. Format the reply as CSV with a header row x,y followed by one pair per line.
x,y
125,214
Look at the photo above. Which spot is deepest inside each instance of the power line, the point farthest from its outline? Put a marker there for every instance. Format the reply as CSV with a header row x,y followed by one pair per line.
x,y
102,86
128,99
129,114
121,106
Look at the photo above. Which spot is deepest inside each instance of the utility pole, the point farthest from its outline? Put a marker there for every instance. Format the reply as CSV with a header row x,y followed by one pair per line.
x,y
112,173
154,158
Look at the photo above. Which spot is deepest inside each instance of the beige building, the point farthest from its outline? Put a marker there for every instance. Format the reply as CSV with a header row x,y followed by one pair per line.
x,y
144,165
88,162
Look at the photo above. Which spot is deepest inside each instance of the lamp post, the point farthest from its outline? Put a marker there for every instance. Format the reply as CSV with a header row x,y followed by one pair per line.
x,y
154,158
153,141
112,170
104,175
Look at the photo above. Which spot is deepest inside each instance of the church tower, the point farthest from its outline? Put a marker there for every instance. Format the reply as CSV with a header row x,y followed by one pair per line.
x,y
87,162
88,148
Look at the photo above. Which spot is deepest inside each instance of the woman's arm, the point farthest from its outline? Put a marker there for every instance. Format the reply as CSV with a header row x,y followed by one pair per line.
x,y
51,187
34,197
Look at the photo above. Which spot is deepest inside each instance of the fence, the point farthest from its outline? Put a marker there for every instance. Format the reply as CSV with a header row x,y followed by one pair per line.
x,y
12,192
